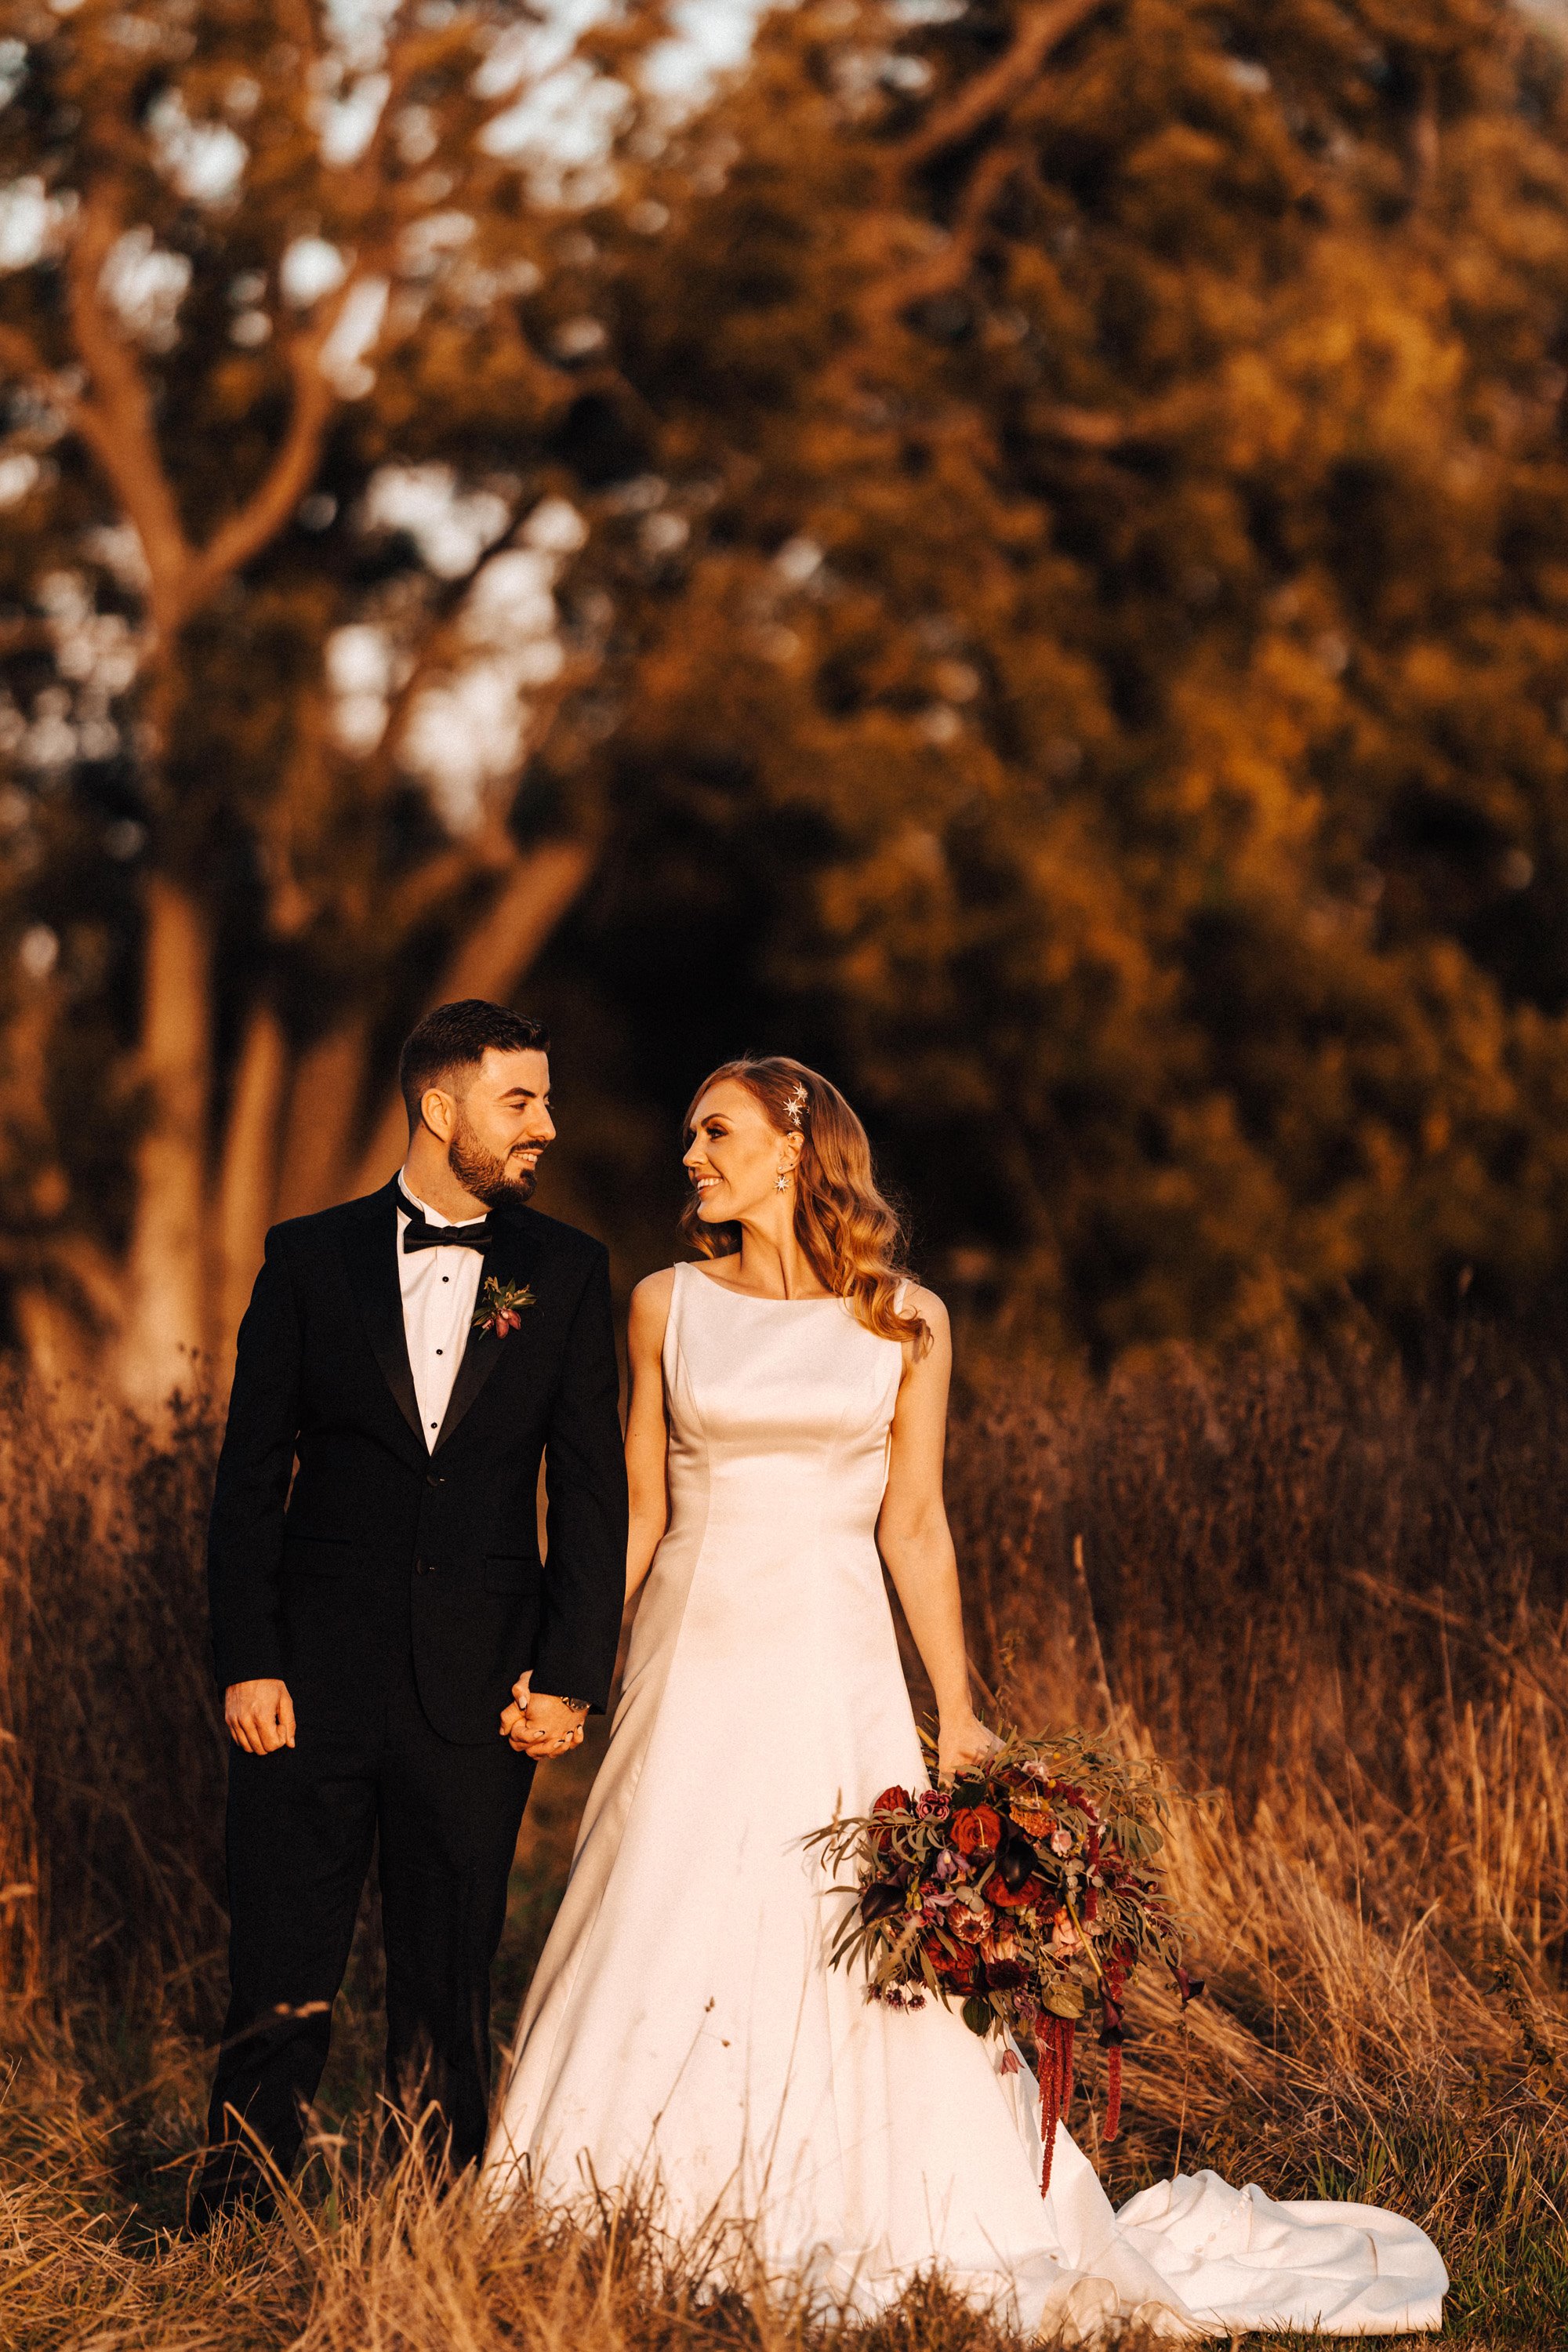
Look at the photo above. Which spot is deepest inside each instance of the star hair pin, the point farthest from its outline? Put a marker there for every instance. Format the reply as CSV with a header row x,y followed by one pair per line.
x,y
794,1108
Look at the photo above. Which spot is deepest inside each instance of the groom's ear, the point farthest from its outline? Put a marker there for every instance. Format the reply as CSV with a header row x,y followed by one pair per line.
x,y
437,1111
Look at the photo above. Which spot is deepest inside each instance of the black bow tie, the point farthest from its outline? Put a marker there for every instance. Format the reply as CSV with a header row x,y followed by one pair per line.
x,y
419,1234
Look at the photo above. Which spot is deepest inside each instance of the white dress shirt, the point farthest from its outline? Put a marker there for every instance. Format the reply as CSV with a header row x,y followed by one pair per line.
x,y
439,1288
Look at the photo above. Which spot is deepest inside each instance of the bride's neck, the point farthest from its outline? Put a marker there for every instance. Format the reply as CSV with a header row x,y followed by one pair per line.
x,y
772,1262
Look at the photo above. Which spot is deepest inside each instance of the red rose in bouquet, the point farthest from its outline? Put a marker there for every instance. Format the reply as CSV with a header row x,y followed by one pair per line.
x,y
957,1969
891,1802
976,1829
1030,1890
1026,1897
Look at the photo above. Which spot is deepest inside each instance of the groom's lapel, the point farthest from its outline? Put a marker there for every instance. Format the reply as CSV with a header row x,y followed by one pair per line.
x,y
509,1259
369,1246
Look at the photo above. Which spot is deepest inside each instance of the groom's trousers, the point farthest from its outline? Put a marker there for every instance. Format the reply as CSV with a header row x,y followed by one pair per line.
x,y
367,1770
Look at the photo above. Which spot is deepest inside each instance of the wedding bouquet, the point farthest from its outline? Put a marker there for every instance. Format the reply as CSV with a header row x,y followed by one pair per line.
x,y
1029,1891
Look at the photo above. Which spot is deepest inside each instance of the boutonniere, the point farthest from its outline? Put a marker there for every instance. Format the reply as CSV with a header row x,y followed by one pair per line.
x,y
501,1305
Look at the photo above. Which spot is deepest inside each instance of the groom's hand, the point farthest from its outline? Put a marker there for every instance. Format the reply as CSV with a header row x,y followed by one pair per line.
x,y
260,1715
544,1725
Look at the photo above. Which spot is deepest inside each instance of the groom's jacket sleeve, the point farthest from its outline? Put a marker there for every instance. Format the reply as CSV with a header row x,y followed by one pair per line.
x,y
585,1508
245,1540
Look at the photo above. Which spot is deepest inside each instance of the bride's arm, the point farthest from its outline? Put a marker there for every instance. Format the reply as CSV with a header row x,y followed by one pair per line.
x,y
913,1538
645,1434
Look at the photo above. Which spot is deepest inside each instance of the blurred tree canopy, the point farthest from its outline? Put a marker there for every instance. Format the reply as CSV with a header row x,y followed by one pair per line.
x,y
291,334
1018,549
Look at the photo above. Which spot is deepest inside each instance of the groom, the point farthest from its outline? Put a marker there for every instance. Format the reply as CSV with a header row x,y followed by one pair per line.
x,y
414,1354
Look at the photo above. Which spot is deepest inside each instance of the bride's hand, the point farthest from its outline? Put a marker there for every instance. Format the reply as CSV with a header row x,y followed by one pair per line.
x,y
962,1739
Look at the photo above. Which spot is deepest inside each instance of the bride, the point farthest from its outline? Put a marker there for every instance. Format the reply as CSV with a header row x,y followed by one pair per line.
x,y
684,2034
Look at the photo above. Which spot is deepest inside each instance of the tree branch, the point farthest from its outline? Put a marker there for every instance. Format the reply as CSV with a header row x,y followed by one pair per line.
x,y
247,531
941,272
988,92
442,641
115,418
490,961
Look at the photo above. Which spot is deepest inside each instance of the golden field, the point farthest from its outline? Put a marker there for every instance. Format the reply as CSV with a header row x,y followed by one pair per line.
x,y
1331,1594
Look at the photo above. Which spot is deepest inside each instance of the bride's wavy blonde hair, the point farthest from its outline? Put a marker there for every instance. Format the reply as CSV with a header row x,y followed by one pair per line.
x,y
852,1236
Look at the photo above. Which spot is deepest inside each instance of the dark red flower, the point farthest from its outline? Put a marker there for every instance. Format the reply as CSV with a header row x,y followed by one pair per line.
x,y
1008,1898
957,1968
894,1800
977,1829
880,1900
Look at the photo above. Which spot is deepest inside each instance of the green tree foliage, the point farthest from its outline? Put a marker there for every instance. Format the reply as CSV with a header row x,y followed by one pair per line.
x,y
1097,630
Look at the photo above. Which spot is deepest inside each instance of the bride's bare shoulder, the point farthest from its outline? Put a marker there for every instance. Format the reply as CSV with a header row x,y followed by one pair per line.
x,y
932,1311
649,1310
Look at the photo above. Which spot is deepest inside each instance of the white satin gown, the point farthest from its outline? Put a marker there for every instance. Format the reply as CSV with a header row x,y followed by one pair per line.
x,y
684,2032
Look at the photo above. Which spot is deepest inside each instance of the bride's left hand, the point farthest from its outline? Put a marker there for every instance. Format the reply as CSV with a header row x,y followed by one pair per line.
x,y
963,1740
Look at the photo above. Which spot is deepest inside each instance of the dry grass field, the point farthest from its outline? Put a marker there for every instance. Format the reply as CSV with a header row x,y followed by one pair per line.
x,y
1332,1595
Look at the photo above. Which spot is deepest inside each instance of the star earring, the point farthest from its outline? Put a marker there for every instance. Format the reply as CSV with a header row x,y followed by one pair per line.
x,y
781,1181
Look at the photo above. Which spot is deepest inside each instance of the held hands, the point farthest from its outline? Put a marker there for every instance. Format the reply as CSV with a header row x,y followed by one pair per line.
x,y
540,1726
260,1715
962,1739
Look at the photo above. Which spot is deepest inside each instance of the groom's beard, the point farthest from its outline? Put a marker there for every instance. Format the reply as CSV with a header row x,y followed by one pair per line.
x,y
478,1171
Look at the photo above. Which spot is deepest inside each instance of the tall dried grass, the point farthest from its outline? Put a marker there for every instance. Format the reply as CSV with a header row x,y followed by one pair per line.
x,y
110,1738
1335,1597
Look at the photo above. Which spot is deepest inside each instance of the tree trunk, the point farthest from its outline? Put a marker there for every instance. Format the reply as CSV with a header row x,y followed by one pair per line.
x,y
165,1321
323,1111
247,1184
183,1292
490,962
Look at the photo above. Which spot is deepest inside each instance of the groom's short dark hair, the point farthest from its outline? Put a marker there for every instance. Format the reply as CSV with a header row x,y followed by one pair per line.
x,y
456,1037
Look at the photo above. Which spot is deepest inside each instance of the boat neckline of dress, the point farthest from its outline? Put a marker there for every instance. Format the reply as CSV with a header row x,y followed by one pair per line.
x,y
755,1298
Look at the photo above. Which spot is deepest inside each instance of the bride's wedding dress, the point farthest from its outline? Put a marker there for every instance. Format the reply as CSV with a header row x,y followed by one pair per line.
x,y
684,2028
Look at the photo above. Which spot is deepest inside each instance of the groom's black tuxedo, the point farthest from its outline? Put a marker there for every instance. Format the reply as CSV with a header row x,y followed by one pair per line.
x,y
398,1590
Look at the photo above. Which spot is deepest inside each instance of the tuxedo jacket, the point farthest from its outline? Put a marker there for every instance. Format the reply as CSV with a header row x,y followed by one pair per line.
x,y
338,1539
